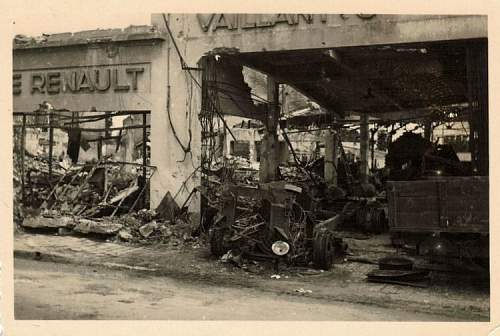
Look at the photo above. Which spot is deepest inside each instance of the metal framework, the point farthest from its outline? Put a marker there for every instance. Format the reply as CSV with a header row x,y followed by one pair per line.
x,y
66,120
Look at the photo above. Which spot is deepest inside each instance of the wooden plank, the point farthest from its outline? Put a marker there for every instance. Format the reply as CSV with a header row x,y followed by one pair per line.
x,y
421,222
449,204
407,204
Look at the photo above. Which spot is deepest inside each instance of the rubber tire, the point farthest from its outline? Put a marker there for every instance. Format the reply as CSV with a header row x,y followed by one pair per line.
x,y
323,251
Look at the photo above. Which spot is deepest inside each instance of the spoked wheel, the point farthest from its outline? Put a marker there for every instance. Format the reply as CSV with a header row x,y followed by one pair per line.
x,y
323,250
217,244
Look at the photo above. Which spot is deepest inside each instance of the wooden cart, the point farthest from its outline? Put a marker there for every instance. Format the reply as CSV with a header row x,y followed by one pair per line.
x,y
445,204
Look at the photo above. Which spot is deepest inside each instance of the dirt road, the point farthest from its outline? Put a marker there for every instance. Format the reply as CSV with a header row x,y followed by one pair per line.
x,y
45,290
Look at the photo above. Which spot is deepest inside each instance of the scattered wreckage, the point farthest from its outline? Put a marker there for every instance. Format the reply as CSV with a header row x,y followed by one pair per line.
x,y
271,222
294,221
298,220
100,199
91,189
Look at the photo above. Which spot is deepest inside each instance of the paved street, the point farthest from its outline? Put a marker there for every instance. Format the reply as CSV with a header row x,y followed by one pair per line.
x,y
46,290
344,284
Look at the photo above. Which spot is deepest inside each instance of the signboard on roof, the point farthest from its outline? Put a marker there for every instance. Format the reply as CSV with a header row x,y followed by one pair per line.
x,y
81,80
120,86
197,34
214,22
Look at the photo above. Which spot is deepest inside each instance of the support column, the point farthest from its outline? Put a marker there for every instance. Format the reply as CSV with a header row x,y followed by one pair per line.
x,y
144,158
372,147
269,155
51,144
477,85
331,157
99,148
23,145
363,148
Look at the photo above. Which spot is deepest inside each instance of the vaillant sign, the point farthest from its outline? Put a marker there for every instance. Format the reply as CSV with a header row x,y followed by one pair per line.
x,y
214,22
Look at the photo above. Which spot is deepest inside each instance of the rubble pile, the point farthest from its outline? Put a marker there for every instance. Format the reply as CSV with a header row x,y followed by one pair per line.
x,y
309,219
141,227
119,178
293,174
18,197
92,190
268,222
37,182
234,168
96,199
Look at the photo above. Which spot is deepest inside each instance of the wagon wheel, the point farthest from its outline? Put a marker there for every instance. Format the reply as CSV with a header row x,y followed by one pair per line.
x,y
323,250
217,244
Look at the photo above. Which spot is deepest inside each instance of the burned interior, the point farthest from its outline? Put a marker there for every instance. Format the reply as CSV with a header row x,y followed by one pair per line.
x,y
424,195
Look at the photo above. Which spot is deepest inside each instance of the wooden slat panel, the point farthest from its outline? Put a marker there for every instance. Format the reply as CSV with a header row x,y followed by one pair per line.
x,y
455,204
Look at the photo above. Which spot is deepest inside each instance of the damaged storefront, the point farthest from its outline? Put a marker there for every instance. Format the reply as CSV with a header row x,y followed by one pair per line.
x,y
393,80
82,119
273,138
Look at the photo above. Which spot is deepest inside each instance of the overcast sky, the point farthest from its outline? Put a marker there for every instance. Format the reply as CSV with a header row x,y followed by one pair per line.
x,y
50,17
28,26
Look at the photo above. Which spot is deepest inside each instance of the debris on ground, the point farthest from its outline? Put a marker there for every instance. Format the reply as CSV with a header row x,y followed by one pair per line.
x,y
134,228
102,198
305,271
396,269
271,221
147,229
232,257
415,278
37,182
95,189
48,222
97,226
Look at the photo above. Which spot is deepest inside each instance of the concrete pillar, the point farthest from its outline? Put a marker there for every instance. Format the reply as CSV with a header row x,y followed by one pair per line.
x,y
331,157
477,91
363,148
372,148
269,156
253,147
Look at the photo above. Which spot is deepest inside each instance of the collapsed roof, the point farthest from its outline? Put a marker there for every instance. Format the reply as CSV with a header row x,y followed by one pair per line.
x,y
385,81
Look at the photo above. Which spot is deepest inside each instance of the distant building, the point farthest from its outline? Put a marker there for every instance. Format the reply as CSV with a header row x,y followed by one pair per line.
x,y
455,134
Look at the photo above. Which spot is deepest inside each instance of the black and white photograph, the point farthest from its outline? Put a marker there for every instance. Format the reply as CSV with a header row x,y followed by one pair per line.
x,y
252,167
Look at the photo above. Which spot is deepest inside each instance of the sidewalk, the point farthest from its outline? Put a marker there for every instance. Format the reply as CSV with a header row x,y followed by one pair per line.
x,y
344,283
